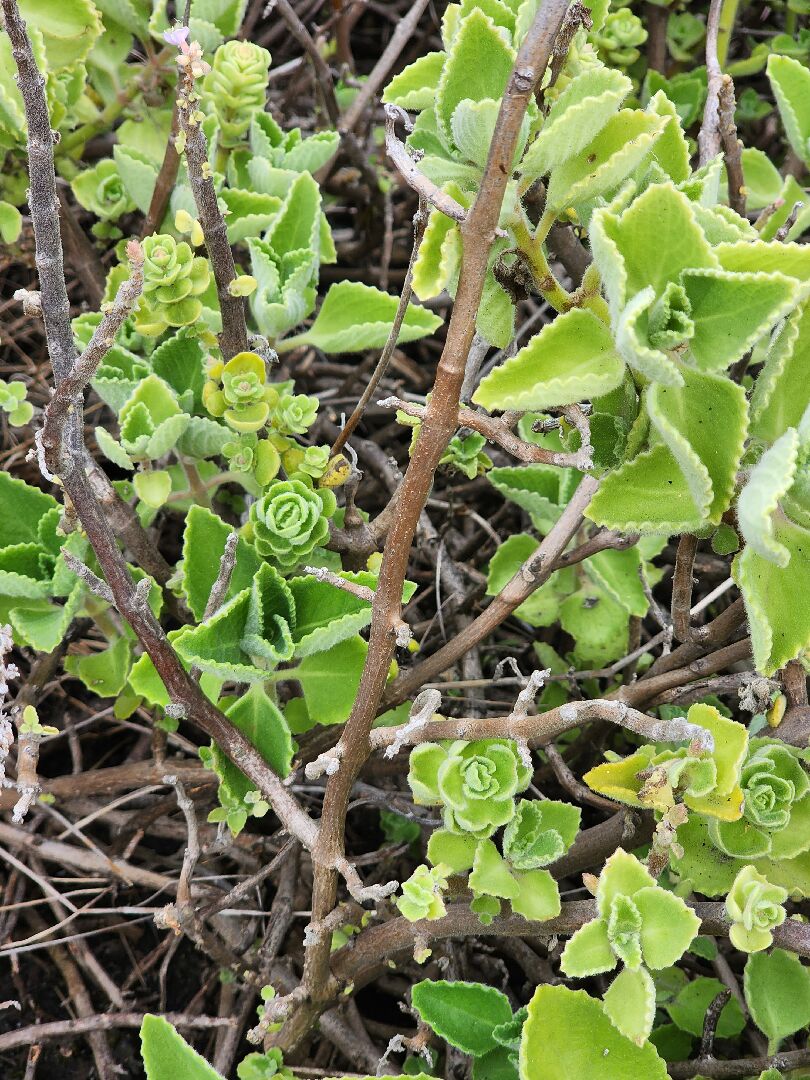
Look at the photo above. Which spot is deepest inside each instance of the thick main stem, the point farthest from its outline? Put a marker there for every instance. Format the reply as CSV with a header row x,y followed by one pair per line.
x,y
478,234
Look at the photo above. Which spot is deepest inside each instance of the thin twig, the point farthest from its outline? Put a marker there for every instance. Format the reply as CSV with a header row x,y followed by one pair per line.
x,y
732,147
234,338
66,1029
709,136
67,393
419,225
379,73
498,432
682,586
406,164
710,1022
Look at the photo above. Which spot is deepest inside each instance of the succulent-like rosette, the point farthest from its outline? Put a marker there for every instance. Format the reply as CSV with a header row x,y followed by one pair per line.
x,y
618,39
289,521
237,392
311,461
102,191
257,457
776,806
173,279
638,922
467,455
422,894
293,414
474,782
755,908
236,87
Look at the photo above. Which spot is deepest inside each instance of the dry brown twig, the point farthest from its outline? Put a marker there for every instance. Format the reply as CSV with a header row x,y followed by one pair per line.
x,y
234,337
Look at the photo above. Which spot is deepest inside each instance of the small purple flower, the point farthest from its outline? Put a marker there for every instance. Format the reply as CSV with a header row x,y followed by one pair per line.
x,y
178,36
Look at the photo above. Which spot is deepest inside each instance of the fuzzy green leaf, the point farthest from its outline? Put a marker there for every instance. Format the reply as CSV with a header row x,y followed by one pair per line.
x,y
490,873
262,723
732,311
598,168
630,263
478,65
23,508
354,317
570,359
138,175
781,392
43,625
439,256
630,1003
415,86
167,1055
575,118
326,615
667,926
464,1014
330,680
454,850
618,573
203,545
631,497
777,992
569,1034
104,673
538,896
769,481
588,951
687,417
790,82
779,626
271,618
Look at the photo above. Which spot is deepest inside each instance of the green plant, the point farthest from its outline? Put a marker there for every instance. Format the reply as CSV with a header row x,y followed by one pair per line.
x,y
619,496
755,908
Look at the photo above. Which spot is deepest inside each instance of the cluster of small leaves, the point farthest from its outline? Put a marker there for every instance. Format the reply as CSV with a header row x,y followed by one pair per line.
x,y
476,784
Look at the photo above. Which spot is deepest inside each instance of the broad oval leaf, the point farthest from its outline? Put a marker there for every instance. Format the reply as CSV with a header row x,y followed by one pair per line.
x,y
571,359
464,1014
569,1034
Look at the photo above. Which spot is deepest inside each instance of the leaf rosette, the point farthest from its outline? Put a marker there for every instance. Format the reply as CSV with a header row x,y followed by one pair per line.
x,y
101,190
776,806
236,87
294,414
638,922
755,908
237,392
474,782
422,894
289,521
173,279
